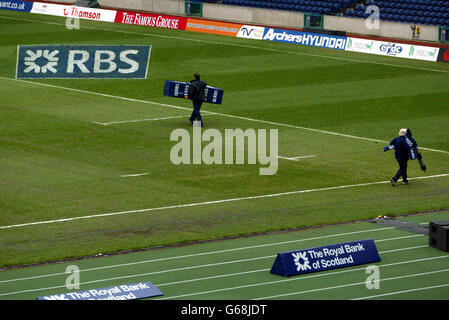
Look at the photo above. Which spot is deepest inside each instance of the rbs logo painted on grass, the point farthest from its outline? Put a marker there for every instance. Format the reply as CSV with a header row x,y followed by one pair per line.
x,y
83,62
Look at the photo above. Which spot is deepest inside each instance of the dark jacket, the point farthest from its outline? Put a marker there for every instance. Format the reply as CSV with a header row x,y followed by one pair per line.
x,y
401,148
196,90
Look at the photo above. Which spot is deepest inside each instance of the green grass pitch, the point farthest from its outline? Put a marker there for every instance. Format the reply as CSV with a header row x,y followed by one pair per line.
x,y
58,163
240,269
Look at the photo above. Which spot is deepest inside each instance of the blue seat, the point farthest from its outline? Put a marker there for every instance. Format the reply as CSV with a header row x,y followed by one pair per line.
x,y
399,10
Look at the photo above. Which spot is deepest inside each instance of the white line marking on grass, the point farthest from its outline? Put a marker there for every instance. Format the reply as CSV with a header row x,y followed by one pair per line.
x,y
97,94
402,249
400,238
218,276
296,158
218,252
211,113
135,175
353,284
268,269
403,291
324,274
240,45
139,120
212,202
148,119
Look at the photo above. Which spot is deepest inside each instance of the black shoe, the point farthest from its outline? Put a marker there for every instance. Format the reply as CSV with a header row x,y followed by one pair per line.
x,y
405,182
393,183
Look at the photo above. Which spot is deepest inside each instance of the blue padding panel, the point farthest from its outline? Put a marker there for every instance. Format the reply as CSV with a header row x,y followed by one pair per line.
x,y
324,258
179,89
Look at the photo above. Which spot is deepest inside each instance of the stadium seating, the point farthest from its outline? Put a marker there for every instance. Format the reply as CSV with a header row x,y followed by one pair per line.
x,y
328,7
426,12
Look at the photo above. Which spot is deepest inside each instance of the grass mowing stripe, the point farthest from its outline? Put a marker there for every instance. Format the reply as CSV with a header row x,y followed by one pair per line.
x,y
212,277
187,205
354,284
237,45
301,278
402,291
267,269
226,289
215,252
193,255
215,113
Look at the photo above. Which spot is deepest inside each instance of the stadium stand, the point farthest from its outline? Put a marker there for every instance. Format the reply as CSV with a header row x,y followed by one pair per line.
x,y
309,6
427,12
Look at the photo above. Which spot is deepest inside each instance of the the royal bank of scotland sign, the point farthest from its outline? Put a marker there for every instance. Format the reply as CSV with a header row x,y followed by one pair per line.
x,y
82,62
121,292
324,258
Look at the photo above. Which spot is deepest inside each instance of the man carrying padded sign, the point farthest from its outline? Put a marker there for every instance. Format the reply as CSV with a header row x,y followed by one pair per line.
x,y
402,149
197,95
